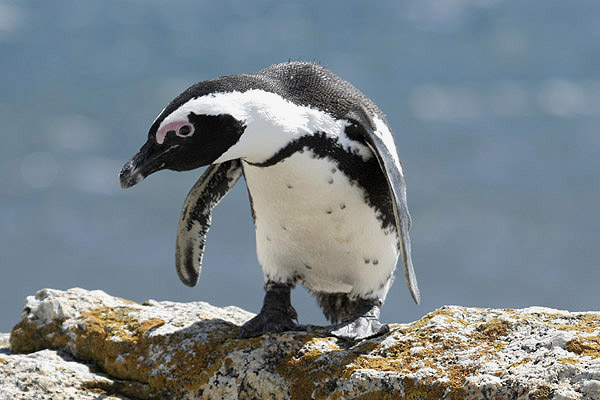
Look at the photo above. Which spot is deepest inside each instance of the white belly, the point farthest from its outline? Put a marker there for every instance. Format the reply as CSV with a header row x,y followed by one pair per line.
x,y
314,226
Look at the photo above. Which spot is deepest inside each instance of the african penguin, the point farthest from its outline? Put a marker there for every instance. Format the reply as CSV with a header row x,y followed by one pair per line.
x,y
326,187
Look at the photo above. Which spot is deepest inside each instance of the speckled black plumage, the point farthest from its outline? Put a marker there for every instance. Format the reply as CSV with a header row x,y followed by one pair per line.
x,y
302,83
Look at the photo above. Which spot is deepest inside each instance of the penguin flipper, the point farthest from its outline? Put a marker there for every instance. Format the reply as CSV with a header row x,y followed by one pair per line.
x,y
195,220
381,143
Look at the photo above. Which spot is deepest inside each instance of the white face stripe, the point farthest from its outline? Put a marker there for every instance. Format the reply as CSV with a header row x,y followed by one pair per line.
x,y
386,136
159,114
271,122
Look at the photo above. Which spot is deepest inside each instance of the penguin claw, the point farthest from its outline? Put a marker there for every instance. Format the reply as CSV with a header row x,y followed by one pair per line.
x,y
268,322
364,324
359,329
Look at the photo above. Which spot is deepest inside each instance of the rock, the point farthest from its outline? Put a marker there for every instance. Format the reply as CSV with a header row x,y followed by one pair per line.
x,y
166,350
47,374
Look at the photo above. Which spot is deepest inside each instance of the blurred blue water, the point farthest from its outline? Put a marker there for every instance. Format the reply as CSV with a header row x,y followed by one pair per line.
x,y
495,106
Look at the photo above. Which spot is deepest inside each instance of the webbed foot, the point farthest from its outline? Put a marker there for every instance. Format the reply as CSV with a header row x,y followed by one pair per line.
x,y
276,315
363,324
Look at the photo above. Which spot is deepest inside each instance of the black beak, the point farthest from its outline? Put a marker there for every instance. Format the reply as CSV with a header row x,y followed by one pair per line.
x,y
149,159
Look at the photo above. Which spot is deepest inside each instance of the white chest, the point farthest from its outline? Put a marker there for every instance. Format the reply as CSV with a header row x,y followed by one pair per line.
x,y
314,225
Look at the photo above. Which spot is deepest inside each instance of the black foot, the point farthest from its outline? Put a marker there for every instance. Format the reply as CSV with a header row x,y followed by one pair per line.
x,y
364,324
276,315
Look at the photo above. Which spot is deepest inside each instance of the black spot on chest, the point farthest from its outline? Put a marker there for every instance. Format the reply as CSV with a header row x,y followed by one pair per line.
x,y
365,174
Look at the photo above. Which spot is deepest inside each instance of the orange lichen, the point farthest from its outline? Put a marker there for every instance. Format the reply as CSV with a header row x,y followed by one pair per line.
x,y
444,312
520,362
27,337
378,395
493,329
414,390
308,372
192,367
541,393
117,356
585,345
569,360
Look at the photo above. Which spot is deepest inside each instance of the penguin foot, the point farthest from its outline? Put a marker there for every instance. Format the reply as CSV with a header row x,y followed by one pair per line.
x,y
364,324
359,329
268,322
276,315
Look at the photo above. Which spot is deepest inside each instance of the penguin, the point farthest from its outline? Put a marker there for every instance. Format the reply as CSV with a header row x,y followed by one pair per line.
x,y
326,187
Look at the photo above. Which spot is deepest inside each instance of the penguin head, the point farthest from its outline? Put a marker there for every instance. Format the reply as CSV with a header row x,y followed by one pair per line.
x,y
183,137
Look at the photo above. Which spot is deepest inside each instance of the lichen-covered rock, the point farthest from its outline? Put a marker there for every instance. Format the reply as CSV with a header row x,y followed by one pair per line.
x,y
48,375
190,351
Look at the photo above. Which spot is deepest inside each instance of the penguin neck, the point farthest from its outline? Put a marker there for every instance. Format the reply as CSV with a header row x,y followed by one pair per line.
x,y
271,122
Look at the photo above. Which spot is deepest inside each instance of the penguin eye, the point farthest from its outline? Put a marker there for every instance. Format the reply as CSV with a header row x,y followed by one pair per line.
x,y
184,131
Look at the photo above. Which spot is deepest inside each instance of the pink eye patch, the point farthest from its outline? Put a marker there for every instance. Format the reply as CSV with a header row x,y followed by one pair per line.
x,y
180,128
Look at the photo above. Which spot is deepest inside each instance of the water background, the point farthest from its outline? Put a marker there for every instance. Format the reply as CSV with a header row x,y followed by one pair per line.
x,y
495,106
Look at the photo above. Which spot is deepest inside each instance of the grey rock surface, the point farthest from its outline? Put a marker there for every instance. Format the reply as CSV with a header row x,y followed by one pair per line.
x,y
86,344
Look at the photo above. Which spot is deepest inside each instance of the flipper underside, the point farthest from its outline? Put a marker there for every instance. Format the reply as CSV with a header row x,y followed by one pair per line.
x,y
380,141
195,220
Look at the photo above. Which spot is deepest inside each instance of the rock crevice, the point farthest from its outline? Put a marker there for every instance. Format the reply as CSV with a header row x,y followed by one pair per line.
x,y
86,344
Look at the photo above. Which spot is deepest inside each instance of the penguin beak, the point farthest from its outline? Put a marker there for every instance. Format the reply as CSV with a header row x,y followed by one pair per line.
x,y
149,159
